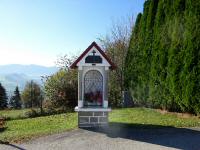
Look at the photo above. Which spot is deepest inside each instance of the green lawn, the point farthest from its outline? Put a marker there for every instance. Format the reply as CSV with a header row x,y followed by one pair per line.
x,y
136,117
13,114
26,128
150,118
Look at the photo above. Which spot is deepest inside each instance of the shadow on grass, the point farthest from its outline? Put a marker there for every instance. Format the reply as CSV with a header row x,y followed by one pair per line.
x,y
3,129
180,138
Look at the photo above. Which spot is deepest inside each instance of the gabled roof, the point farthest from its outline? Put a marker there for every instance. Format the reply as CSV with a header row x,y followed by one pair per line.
x,y
94,44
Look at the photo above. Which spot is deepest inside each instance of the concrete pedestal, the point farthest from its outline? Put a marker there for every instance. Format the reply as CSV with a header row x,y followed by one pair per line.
x,y
92,117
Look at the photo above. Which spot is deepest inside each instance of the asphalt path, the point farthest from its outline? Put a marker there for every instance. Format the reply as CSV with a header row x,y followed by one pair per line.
x,y
116,137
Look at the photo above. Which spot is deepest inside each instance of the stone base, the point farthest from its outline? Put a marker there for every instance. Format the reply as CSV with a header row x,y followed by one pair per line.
x,y
92,118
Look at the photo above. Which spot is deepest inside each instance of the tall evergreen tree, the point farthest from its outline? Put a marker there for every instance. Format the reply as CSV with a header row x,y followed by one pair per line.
x,y
3,97
190,76
175,60
148,46
139,50
163,60
132,58
158,61
15,101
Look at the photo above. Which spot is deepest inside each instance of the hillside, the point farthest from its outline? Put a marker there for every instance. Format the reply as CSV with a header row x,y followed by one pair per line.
x,y
13,75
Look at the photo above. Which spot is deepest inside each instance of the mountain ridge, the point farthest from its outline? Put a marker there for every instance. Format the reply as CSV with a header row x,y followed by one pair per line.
x,y
31,69
13,75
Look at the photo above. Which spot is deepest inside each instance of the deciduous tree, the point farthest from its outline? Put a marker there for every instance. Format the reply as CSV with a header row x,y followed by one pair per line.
x,y
116,46
31,95
61,89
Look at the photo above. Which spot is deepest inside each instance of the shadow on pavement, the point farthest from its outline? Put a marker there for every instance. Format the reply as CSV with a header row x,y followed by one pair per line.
x,y
11,145
180,138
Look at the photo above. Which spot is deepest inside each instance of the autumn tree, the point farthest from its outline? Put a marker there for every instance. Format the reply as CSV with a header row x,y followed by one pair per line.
x,y
31,95
116,45
61,89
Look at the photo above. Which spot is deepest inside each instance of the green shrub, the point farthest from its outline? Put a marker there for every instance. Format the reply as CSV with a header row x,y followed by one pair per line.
x,y
32,113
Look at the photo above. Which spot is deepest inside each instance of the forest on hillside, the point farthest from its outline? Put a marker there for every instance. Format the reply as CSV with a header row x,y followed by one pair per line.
x,y
162,68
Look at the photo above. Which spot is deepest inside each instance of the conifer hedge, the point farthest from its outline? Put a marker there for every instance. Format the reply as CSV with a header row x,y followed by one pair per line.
x,y
162,68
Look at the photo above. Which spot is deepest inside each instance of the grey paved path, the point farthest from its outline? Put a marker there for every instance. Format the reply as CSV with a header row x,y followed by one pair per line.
x,y
115,138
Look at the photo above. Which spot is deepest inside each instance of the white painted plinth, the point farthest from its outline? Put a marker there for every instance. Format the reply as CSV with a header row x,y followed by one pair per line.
x,y
80,104
105,104
92,109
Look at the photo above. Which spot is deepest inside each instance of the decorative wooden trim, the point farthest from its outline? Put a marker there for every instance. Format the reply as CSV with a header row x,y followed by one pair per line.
x,y
94,44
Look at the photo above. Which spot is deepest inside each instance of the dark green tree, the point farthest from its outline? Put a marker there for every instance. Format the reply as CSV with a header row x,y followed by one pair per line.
x,y
161,43
190,76
133,57
162,62
15,100
175,55
3,98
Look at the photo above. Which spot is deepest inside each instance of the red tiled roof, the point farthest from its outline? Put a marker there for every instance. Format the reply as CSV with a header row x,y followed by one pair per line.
x,y
112,65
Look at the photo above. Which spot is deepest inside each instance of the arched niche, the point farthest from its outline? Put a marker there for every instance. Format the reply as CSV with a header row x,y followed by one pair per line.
x,y
93,88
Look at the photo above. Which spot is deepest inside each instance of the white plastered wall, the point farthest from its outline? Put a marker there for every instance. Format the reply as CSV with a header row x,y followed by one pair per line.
x,y
85,67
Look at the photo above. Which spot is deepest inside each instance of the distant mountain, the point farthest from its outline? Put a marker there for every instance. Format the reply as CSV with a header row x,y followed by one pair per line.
x,y
14,74
31,70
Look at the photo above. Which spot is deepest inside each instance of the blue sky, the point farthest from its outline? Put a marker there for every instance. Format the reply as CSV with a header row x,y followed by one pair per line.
x,y
38,31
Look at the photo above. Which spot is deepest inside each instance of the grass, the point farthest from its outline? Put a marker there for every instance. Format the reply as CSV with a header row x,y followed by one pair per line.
x,y
151,117
13,114
24,129
18,130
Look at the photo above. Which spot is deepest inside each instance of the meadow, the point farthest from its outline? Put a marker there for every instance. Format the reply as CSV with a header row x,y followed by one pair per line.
x,y
22,128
